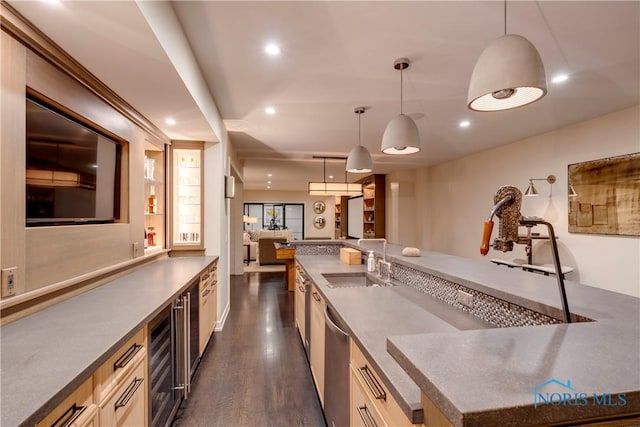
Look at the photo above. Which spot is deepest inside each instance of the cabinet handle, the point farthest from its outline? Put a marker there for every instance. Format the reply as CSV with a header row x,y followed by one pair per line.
x,y
69,416
366,416
205,293
372,383
127,356
301,289
124,399
316,297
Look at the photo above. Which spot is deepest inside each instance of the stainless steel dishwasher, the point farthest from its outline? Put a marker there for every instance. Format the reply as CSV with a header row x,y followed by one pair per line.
x,y
336,372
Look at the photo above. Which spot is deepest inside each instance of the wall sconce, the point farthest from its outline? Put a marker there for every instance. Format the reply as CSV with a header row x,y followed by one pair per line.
x,y
531,190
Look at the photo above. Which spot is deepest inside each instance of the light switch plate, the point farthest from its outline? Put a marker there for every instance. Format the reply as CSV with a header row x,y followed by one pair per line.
x,y
9,281
465,298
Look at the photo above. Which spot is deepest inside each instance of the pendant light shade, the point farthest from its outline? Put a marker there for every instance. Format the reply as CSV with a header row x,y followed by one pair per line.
x,y
401,134
508,74
359,160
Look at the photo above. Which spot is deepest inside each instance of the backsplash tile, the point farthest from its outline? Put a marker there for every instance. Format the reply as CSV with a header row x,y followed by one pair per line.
x,y
498,312
307,249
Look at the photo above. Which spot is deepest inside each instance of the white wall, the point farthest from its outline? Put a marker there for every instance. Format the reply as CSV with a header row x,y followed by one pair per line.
x,y
259,196
454,199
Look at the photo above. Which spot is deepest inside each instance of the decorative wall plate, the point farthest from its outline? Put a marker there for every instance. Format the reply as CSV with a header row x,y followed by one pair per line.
x,y
319,207
319,222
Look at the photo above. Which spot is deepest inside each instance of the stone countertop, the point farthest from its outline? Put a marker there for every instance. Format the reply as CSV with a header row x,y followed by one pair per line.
x,y
485,376
533,291
373,313
48,354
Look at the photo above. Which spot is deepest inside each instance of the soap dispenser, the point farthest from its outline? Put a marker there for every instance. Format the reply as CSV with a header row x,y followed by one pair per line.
x,y
371,262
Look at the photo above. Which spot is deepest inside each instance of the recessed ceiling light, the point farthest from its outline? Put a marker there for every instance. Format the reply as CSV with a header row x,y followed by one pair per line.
x,y
170,121
269,175
268,182
268,187
270,110
464,124
272,49
51,1
559,78
330,176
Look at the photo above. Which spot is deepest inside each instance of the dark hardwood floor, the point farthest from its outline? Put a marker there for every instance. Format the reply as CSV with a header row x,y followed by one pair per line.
x,y
254,372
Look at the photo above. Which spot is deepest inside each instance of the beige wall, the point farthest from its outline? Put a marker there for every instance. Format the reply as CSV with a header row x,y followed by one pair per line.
x,y
46,256
259,196
453,199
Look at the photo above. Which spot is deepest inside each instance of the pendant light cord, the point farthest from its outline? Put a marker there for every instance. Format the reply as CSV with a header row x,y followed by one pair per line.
x,y
505,17
359,114
401,71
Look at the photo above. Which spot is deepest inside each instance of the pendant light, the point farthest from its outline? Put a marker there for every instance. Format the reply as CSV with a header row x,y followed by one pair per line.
x,y
359,160
401,134
508,74
325,188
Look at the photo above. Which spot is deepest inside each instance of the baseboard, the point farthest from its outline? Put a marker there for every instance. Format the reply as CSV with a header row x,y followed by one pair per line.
x,y
220,323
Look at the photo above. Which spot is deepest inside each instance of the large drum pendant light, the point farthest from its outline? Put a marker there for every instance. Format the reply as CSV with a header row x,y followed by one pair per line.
x,y
401,134
508,74
359,160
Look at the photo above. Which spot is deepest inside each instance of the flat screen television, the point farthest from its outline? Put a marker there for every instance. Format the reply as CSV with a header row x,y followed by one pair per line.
x,y
72,171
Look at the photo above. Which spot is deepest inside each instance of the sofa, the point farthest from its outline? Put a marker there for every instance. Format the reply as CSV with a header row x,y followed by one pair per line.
x,y
266,247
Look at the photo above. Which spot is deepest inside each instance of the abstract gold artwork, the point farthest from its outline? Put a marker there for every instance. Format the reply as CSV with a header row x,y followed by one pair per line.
x,y
607,196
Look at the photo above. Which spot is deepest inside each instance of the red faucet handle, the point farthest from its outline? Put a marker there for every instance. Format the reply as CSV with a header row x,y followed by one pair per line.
x,y
486,237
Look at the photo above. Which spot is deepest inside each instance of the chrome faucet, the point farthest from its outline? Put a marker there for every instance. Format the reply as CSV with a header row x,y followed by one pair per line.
x,y
384,267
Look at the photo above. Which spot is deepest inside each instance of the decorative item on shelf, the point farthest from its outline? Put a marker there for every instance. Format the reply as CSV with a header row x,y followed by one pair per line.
x,y
319,207
531,190
325,188
508,74
151,237
359,160
401,134
319,222
149,168
151,200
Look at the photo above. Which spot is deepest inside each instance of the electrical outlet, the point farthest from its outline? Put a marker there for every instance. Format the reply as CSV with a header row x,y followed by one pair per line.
x,y
135,247
465,298
9,281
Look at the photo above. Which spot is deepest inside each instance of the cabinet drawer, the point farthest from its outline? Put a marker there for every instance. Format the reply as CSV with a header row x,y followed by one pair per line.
x,y
126,406
363,412
78,406
376,390
119,366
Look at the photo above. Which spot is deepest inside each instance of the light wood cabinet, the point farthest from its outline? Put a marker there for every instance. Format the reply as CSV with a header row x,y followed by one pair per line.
x,y
187,209
377,393
208,306
341,217
363,412
77,410
317,341
300,301
119,366
373,201
154,188
127,405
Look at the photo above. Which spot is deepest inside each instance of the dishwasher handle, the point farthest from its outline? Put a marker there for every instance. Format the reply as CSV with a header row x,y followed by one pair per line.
x,y
332,326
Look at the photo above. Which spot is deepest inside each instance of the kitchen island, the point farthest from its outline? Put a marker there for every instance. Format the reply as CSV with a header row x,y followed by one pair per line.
x,y
484,370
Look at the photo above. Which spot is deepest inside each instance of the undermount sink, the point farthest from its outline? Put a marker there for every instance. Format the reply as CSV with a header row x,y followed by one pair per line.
x,y
353,280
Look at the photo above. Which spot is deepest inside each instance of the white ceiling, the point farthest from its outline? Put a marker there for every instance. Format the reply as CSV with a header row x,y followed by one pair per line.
x,y
339,55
